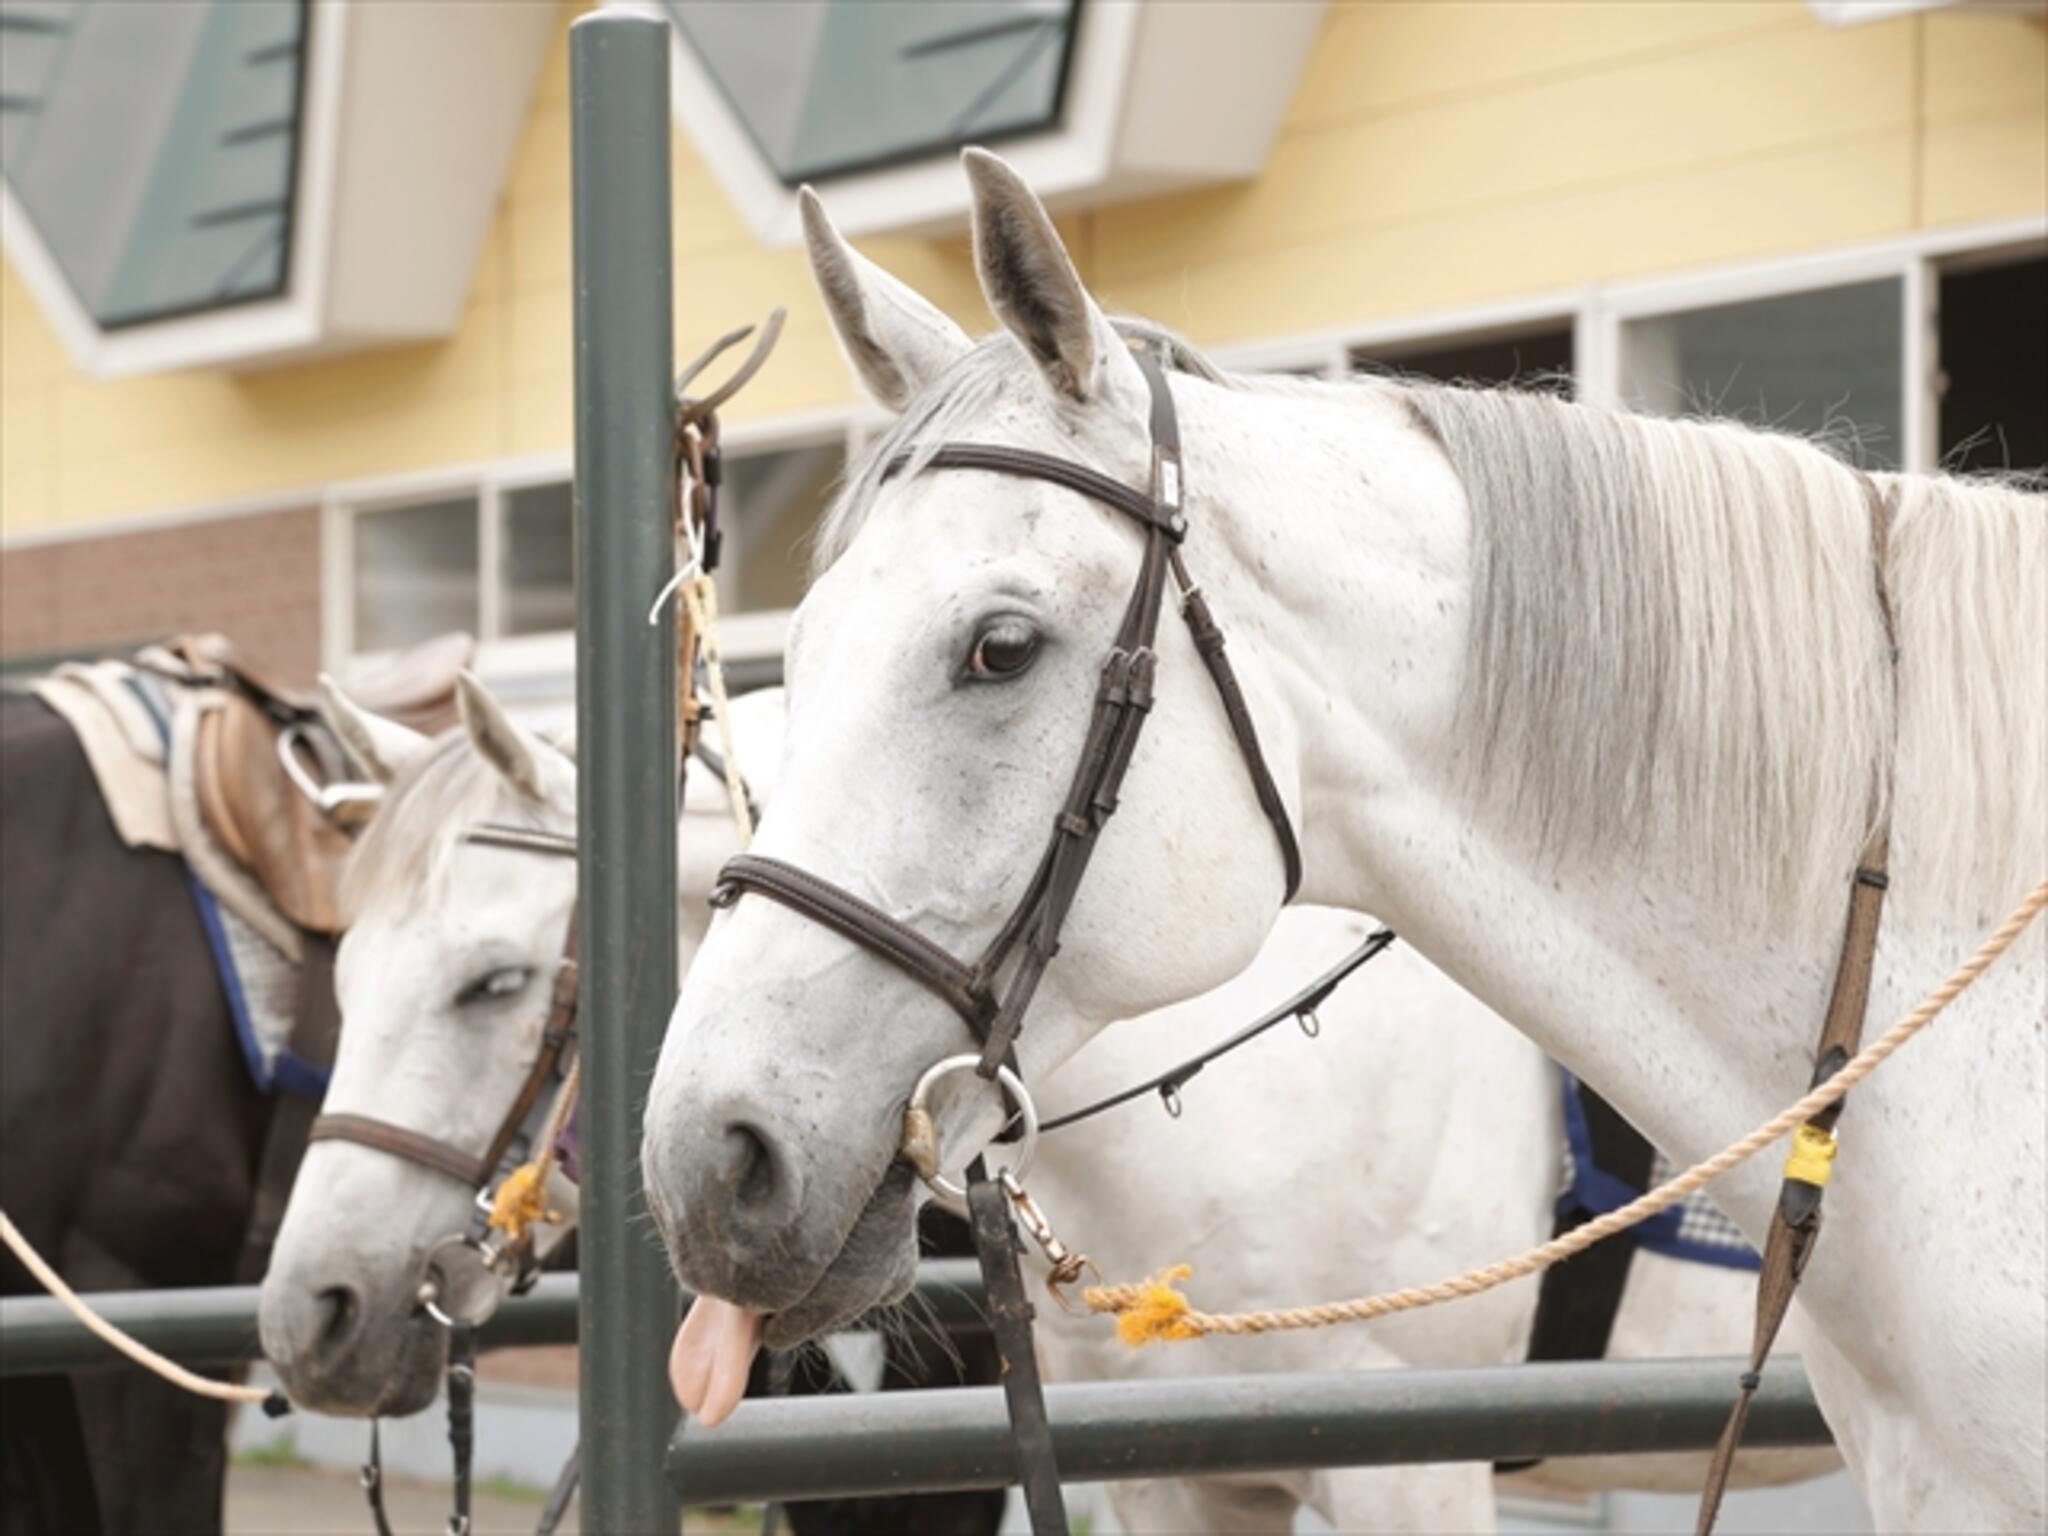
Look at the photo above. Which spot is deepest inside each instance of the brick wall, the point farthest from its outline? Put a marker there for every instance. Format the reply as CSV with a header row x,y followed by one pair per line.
x,y
256,579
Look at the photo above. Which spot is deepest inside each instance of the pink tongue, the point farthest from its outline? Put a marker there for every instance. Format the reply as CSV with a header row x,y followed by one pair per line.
x,y
708,1365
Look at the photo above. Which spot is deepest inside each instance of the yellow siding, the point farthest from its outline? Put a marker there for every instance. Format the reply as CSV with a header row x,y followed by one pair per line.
x,y
1436,154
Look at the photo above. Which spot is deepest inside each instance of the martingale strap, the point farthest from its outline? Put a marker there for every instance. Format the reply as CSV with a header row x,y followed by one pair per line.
x,y
1029,938
1795,1224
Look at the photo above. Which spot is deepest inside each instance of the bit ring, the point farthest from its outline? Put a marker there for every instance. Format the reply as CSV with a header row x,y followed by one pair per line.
x,y
920,1135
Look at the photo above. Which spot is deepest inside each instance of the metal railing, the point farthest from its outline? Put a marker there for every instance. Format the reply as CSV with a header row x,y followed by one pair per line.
x,y
216,1325
922,1442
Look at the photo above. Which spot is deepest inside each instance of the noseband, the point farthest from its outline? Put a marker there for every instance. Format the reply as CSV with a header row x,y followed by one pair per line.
x,y
995,1014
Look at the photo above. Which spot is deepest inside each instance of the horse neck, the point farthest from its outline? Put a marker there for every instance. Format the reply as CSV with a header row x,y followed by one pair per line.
x,y
1353,591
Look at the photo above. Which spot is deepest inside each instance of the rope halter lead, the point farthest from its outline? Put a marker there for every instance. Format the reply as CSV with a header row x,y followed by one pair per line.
x,y
993,1009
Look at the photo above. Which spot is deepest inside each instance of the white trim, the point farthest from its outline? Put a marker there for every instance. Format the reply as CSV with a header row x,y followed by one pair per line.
x,y
337,585
1132,126
490,561
1919,355
1851,13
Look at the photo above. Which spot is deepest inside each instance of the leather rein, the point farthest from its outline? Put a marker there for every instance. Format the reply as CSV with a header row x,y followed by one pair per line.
x,y
1030,936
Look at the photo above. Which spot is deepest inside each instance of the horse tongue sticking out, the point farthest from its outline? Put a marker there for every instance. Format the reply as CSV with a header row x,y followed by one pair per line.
x,y
708,1364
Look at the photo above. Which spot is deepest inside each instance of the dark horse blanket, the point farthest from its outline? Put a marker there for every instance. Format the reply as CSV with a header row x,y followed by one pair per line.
x,y
130,1126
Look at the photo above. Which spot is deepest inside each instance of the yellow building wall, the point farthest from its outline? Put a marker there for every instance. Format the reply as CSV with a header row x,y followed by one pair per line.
x,y
1437,154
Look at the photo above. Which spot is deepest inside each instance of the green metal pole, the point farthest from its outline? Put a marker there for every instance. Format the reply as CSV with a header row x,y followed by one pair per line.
x,y
625,719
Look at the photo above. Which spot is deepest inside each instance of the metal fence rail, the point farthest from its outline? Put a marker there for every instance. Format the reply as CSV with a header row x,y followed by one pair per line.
x,y
216,1325
918,1442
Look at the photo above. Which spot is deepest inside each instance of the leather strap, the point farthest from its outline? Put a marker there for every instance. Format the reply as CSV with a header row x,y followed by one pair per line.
x,y
315,1029
861,921
1002,459
1010,1315
413,1146
1795,1225
554,1039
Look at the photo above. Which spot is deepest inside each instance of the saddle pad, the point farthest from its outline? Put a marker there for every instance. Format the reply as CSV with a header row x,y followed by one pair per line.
x,y
1693,1230
96,703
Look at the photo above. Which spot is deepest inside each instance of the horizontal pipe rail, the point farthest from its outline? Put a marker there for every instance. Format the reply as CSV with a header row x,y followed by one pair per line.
x,y
917,1442
216,1325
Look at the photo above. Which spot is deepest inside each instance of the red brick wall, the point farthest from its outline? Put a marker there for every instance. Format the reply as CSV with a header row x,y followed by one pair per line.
x,y
256,579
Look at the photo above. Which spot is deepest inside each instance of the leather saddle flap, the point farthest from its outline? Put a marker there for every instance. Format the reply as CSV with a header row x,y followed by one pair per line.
x,y
294,851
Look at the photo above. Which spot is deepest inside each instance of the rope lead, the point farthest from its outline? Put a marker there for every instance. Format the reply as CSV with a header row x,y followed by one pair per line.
x,y
1155,1310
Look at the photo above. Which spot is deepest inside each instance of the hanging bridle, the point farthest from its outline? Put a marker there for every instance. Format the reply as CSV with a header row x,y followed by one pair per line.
x,y
993,1009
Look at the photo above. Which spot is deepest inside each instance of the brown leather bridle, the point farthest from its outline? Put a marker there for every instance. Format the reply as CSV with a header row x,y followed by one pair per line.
x,y
1122,701
475,1171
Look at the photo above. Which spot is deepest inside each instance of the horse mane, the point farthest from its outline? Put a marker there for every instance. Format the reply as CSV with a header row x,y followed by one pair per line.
x,y
405,850
1675,633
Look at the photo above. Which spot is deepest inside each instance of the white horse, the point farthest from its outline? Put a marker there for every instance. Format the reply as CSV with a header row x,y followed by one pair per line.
x,y
444,980
1455,1113
1590,707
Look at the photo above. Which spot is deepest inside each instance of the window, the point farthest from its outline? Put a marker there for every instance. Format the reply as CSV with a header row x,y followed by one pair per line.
x,y
415,569
493,553
769,509
1539,358
824,88
495,558
1993,385
537,569
1825,362
155,147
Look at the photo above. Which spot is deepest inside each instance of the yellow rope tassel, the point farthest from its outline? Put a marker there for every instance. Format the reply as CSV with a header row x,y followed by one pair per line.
x,y
1150,1313
1812,1158
521,1201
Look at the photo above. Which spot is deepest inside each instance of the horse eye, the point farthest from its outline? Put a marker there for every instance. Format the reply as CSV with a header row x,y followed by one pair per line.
x,y
504,982
1002,651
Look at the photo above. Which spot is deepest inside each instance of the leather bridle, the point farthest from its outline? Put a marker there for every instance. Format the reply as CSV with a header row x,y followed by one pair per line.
x,y
993,1011
476,1171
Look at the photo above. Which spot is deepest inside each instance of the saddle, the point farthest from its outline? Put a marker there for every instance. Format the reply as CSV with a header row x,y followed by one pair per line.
x,y
248,799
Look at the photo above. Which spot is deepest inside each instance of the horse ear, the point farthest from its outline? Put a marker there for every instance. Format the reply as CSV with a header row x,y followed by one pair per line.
x,y
520,757
1031,285
378,747
895,338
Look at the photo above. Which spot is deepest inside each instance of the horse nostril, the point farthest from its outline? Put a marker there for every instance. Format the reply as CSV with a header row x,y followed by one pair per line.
x,y
749,1167
342,1307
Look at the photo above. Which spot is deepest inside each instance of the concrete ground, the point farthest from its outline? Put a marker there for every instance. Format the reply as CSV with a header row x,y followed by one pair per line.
x,y
325,1501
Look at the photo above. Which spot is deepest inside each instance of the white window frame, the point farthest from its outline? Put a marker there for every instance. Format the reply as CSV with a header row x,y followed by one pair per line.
x,y
1596,312
541,667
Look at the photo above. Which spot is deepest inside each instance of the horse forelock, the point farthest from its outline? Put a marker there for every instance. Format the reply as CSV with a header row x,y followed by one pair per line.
x,y
406,850
951,407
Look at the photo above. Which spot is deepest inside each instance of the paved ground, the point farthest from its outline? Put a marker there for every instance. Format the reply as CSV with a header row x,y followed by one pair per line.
x,y
321,1501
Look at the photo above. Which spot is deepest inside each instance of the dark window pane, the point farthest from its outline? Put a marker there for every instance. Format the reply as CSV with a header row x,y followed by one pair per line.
x,y
539,560
154,147
827,87
771,505
1823,363
1539,359
1994,364
415,572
